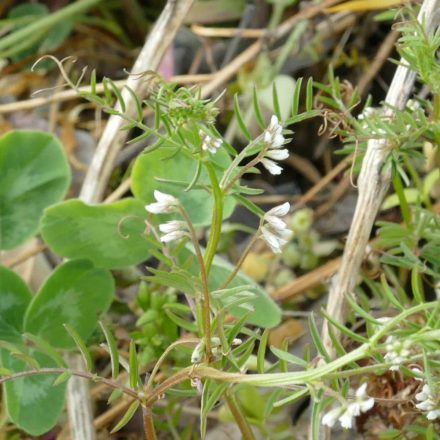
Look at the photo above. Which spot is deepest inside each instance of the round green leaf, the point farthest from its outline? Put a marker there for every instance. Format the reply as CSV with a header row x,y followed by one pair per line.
x,y
15,296
76,293
34,174
111,236
33,403
166,163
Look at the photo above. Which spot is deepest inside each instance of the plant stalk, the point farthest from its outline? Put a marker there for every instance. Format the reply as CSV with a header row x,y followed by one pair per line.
x,y
235,409
147,418
217,217
206,310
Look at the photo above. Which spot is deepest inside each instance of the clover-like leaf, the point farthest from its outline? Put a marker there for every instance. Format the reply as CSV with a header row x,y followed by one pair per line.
x,y
34,174
75,294
111,235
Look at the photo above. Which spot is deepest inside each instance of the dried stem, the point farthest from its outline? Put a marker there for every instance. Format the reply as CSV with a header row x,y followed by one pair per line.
x,y
373,185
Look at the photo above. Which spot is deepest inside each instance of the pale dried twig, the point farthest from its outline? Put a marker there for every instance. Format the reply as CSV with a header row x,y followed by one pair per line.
x,y
373,184
113,138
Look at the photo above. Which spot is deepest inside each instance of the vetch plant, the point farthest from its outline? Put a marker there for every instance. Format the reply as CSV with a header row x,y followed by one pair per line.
x,y
199,317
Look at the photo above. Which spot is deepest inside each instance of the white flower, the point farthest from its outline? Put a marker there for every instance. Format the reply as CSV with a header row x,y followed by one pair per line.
x,y
384,320
346,420
173,230
413,105
418,374
272,167
273,135
362,403
397,352
428,403
165,204
366,113
209,143
330,418
278,154
275,231
274,139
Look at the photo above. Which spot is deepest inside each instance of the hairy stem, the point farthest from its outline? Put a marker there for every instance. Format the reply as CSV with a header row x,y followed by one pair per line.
x,y
205,287
164,355
147,417
245,169
86,375
240,419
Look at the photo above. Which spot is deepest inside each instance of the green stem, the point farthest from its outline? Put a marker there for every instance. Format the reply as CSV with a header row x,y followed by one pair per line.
x,y
242,423
217,217
206,310
240,261
255,161
236,162
158,364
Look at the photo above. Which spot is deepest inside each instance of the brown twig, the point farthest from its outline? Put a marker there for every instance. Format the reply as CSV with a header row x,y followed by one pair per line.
x,y
380,58
311,193
337,192
307,281
108,416
253,50
34,250
216,32
305,167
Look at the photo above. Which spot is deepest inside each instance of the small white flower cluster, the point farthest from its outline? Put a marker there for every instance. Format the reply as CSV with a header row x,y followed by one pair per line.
x,y
274,230
413,105
274,139
366,113
173,230
398,352
346,415
210,143
428,402
166,204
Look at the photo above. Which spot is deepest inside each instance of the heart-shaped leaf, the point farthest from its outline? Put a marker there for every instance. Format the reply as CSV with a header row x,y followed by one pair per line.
x,y
34,174
15,296
167,163
110,235
76,293
33,403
